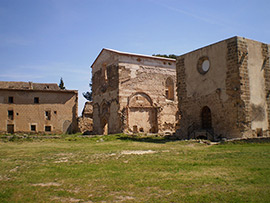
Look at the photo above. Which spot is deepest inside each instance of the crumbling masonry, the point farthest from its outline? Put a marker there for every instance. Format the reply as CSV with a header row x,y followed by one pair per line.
x,y
133,93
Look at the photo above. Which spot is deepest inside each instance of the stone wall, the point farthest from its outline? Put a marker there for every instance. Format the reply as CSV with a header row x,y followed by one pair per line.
x,y
85,122
105,99
266,68
233,89
140,83
122,83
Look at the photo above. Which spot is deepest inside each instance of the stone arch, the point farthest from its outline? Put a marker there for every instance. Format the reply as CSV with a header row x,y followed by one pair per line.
x,y
142,116
169,88
206,118
139,94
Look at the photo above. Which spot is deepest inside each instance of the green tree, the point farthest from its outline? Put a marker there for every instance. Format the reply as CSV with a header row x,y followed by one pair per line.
x,y
88,95
173,56
61,84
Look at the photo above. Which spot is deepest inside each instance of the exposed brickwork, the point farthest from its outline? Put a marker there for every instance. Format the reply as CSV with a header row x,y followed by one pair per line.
x,y
266,68
233,85
244,110
181,88
122,82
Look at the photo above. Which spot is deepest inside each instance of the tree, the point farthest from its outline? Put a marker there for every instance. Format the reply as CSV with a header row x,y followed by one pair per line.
x,y
61,84
173,56
88,95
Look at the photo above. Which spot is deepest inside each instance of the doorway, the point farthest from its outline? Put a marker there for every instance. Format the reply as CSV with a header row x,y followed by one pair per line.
x,y
10,128
206,118
105,127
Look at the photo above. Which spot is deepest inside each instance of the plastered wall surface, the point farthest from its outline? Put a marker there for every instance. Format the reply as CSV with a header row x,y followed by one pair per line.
x,y
259,117
62,108
200,85
234,89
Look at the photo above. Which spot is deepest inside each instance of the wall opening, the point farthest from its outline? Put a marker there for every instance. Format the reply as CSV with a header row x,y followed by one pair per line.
x,y
105,129
105,126
36,100
48,115
33,128
10,100
259,132
48,128
169,89
11,114
105,72
135,129
10,128
206,118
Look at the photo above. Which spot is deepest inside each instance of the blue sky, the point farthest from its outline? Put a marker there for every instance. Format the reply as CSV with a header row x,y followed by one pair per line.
x,y
44,40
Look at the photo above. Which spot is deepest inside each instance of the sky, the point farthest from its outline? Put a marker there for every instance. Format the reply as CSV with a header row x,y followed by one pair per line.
x,y
44,40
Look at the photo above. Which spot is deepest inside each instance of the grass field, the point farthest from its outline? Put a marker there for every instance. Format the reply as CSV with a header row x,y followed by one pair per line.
x,y
120,168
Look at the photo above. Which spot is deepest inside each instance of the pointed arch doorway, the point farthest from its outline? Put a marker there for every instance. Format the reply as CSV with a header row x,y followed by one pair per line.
x,y
206,118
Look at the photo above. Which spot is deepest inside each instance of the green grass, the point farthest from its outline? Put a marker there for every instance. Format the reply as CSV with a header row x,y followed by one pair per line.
x,y
96,169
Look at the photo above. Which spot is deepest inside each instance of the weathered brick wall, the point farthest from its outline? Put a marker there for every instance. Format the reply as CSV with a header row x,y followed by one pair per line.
x,y
244,120
147,81
132,76
266,68
105,95
234,104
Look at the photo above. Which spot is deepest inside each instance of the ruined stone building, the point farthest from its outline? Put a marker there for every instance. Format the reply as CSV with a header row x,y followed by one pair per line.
x,y
85,122
133,93
37,108
224,90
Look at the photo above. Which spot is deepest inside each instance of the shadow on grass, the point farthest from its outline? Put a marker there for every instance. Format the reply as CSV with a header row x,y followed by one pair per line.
x,y
160,140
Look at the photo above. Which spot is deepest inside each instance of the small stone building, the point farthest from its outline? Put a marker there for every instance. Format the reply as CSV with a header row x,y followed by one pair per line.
x,y
27,107
133,93
224,90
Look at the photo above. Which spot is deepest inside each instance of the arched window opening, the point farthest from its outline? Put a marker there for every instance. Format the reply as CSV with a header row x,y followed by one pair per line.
x,y
206,118
169,89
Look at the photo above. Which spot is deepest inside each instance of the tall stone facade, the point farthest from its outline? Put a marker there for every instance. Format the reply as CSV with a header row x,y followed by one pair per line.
x,y
224,90
27,107
133,93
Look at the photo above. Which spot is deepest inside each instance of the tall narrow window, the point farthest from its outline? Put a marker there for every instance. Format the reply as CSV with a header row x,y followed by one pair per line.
x,y
104,71
36,100
48,115
10,100
169,89
11,114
